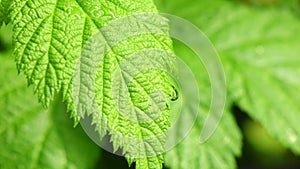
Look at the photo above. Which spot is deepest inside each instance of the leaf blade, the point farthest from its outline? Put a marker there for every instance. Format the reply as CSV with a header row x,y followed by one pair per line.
x,y
33,136
47,49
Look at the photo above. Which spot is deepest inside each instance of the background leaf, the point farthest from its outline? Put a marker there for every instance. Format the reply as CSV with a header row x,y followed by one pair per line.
x,y
259,50
225,144
32,137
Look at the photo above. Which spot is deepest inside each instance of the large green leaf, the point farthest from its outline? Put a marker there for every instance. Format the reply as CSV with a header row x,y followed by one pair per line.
x,y
49,38
32,137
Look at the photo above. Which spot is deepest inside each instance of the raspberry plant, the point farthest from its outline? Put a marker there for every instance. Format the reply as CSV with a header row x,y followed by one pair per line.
x,y
257,42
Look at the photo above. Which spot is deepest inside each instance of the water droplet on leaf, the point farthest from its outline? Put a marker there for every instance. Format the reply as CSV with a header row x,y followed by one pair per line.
x,y
174,95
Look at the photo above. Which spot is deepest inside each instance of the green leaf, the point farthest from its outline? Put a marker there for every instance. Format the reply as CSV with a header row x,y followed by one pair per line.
x,y
132,89
220,150
4,11
49,37
5,38
265,66
225,144
259,49
32,137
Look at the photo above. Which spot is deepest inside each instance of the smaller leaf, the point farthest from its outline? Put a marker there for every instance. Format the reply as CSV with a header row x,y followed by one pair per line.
x,y
32,137
223,146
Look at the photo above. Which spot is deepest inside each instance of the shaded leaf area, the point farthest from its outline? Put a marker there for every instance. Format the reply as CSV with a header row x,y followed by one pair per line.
x,y
223,146
4,11
265,152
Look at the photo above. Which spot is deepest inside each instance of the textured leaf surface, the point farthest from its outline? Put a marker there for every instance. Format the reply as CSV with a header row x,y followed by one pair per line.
x,y
132,92
32,137
4,11
49,37
259,49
